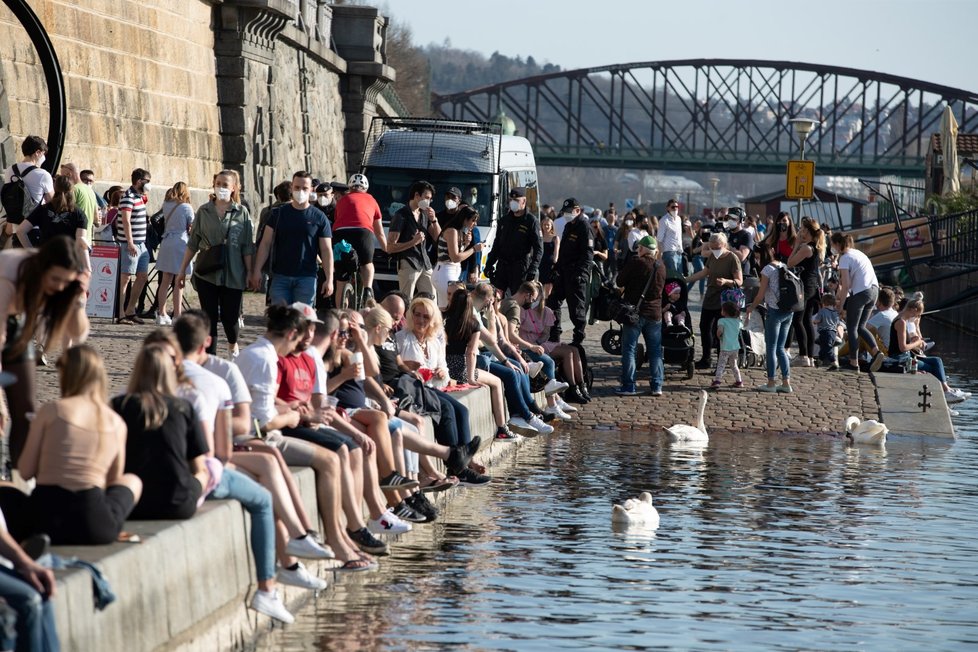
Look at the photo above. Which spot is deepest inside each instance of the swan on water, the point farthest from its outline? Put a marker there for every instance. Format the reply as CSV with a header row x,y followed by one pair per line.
x,y
682,432
865,432
636,511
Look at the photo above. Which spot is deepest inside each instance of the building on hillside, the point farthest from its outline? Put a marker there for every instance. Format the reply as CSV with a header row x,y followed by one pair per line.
x,y
836,209
967,149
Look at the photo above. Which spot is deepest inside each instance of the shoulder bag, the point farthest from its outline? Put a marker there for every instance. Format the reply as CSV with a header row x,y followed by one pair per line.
x,y
625,313
213,258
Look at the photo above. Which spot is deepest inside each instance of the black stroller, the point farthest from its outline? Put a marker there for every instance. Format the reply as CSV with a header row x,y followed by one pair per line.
x,y
678,341
601,311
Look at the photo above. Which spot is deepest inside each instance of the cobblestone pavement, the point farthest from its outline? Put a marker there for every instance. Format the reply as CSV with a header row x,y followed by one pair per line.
x,y
818,405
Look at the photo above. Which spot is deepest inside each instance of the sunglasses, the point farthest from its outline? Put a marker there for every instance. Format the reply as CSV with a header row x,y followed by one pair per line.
x,y
343,333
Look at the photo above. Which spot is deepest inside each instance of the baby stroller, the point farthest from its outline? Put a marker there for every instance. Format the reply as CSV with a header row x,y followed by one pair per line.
x,y
611,339
678,341
752,346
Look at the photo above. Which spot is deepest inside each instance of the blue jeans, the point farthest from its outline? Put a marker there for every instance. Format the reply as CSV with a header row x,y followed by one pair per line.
x,y
932,365
652,333
518,396
257,501
698,264
289,289
777,323
549,366
453,428
674,263
27,620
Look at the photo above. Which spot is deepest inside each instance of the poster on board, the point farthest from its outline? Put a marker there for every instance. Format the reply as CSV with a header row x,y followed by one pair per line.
x,y
105,281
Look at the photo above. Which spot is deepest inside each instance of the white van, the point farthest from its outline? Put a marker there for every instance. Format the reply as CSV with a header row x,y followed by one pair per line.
x,y
472,156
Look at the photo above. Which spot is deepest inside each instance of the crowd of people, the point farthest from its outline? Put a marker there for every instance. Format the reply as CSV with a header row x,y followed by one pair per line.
x,y
346,392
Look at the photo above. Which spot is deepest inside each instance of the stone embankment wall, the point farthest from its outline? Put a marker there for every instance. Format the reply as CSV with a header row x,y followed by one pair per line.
x,y
185,88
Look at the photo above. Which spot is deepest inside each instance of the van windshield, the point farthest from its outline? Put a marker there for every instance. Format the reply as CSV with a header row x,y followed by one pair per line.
x,y
390,188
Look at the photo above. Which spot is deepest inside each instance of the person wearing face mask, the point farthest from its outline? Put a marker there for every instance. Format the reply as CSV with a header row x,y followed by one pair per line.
x,y
222,221
670,239
573,268
326,201
130,232
38,182
452,253
358,221
410,228
780,242
723,270
739,239
518,249
295,234
453,202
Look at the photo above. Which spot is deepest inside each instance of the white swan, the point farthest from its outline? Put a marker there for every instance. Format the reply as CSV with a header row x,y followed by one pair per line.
x,y
636,511
865,432
682,432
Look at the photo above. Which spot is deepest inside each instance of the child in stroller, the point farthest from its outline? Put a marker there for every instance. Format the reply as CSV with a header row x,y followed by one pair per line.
x,y
678,342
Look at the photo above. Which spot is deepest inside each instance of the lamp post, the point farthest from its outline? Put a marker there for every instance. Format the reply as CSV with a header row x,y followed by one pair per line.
x,y
714,181
803,127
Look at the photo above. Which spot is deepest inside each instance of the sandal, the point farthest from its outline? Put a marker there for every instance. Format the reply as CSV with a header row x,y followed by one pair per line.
x,y
357,565
125,321
478,468
435,485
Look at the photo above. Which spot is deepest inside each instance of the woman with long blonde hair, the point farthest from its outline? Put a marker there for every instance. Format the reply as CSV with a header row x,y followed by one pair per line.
x,y
165,447
178,217
76,451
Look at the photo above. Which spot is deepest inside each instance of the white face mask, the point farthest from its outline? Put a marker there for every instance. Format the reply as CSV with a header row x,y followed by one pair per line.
x,y
147,187
731,224
514,205
323,200
674,212
423,204
300,196
41,159
222,194
451,204
717,252
535,304
835,251
629,222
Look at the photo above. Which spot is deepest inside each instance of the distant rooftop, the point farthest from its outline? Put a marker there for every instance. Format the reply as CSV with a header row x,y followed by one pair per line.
x,y
966,143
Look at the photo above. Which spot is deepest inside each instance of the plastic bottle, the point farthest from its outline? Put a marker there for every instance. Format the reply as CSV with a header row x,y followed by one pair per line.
x,y
358,361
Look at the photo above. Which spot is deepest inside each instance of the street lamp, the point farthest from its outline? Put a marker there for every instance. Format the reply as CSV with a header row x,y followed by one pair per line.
x,y
803,127
715,182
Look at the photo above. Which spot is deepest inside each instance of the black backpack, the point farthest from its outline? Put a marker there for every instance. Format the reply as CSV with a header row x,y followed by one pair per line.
x,y
17,202
791,292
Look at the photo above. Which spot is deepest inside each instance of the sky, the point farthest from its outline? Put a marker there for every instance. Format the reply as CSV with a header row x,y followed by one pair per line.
x,y
929,40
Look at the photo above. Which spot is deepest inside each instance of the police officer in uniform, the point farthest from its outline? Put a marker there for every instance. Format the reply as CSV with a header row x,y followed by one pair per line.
x,y
573,267
518,248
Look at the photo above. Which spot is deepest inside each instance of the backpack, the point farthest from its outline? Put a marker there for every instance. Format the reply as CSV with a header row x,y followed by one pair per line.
x,y
16,201
791,292
155,227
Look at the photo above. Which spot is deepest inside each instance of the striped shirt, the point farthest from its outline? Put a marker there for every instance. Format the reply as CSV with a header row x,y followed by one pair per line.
x,y
132,201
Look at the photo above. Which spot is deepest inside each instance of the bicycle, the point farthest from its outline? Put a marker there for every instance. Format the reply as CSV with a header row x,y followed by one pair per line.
x,y
347,267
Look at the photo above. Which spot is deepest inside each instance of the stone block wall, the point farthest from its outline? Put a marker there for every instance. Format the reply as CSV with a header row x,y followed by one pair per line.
x,y
139,83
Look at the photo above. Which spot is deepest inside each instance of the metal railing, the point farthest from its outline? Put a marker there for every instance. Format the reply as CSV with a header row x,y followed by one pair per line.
x,y
956,238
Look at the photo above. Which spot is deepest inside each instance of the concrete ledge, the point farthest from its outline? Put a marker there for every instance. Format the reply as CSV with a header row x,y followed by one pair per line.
x,y
187,584
898,396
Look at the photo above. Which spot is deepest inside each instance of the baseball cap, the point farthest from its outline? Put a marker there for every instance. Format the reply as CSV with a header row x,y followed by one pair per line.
x,y
339,185
455,192
307,312
516,192
569,204
323,187
648,242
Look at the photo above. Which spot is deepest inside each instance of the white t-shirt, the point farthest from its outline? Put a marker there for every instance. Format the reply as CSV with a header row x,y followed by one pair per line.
x,y
319,382
634,236
258,364
215,395
882,321
411,350
560,223
38,182
232,375
862,276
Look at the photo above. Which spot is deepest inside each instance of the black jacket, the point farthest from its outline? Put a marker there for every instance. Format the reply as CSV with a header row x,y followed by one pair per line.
x,y
576,245
518,241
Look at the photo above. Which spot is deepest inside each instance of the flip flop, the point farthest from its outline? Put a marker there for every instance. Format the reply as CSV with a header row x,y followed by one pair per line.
x,y
437,485
355,566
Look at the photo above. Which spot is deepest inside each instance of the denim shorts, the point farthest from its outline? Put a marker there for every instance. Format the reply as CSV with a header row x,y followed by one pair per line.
x,y
138,264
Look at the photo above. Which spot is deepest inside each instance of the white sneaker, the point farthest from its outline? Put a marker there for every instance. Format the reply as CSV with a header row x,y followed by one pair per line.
x,y
268,603
565,406
307,548
163,320
233,354
801,361
554,386
240,322
388,523
520,422
539,425
535,368
302,578
953,398
961,393
928,345
557,412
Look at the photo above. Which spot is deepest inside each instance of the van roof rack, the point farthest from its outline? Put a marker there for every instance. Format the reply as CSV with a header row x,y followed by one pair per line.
x,y
433,144
434,125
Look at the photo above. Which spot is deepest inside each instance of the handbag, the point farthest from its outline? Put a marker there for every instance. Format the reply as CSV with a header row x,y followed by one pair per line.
x,y
625,313
213,258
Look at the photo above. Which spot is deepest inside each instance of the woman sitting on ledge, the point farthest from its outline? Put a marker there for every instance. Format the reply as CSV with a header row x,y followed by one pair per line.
x,y
76,448
905,341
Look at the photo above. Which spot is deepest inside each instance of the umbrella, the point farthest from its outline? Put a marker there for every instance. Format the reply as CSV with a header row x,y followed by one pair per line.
x,y
949,146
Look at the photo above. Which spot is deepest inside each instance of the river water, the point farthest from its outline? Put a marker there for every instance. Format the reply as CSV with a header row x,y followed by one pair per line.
x,y
765,542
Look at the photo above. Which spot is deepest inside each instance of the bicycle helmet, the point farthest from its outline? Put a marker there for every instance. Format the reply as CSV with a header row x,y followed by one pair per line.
x,y
359,181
